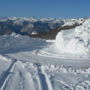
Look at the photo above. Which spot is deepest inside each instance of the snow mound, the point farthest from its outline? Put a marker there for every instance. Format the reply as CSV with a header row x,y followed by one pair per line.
x,y
14,41
76,42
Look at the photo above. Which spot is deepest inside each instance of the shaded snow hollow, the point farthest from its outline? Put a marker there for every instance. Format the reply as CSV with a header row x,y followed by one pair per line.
x,y
75,42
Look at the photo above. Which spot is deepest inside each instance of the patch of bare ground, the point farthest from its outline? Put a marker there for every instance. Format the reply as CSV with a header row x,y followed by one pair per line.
x,y
52,33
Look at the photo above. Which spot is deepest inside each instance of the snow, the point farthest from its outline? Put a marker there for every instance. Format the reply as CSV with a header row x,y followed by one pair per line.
x,y
34,64
34,33
79,43
71,22
32,26
13,41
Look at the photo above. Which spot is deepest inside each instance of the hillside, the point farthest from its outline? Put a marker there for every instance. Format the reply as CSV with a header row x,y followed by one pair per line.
x,y
28,63
46,28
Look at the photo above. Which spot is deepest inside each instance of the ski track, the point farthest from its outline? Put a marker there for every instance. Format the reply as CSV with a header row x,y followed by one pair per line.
x,y
44,80
18,71
6,74
24,75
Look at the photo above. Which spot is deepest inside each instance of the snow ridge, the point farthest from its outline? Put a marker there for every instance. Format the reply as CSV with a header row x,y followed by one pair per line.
x,y
78,43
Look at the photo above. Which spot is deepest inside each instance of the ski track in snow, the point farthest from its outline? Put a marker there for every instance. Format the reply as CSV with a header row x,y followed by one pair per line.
x,y
18,77
24,75
34,76
36,64
6,74
44,80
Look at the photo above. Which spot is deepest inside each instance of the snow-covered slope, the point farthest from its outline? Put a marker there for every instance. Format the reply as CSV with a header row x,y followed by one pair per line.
x,y
34,64
70,22
17,41
78,42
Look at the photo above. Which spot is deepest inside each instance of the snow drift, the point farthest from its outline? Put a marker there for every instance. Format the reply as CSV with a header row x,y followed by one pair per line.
x,y
13,41
76,42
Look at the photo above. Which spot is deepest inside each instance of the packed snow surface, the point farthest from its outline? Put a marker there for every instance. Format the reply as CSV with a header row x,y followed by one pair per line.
x,y
35,64
76,42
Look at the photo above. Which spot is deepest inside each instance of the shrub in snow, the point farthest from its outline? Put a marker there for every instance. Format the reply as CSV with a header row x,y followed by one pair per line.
x,y
78,44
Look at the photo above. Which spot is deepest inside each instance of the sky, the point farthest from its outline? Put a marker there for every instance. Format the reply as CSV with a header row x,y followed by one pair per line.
x,y
45,8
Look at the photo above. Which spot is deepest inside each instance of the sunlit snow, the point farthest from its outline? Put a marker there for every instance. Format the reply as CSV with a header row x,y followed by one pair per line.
x,y
35,64
77,43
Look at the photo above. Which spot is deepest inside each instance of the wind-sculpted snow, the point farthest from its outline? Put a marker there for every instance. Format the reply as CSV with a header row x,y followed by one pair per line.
x,y
77,43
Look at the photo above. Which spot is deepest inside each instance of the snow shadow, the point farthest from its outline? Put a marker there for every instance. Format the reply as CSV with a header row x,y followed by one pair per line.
x,y
43,82
31,47
5,74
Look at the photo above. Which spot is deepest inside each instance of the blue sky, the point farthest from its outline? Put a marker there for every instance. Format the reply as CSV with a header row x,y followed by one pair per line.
x,y
45,8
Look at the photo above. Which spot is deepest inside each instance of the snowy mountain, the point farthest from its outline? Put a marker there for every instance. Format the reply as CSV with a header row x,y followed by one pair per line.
x,y
32,26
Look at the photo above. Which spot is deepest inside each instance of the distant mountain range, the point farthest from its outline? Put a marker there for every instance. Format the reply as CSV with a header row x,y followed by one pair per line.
x,y
36,27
